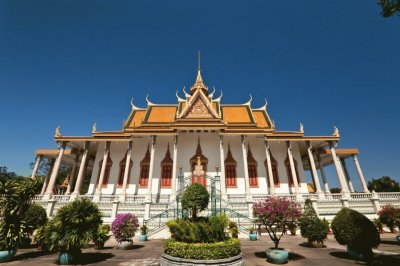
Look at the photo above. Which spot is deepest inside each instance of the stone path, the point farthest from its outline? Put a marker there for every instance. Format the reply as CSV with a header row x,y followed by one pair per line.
x,y
148,253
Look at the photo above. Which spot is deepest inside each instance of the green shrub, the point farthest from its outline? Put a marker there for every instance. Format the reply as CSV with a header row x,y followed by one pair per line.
x,y
311,227
143,230
202,231
203,251
101,236
233,229
34,218
74,226
42,236
354,230
195,199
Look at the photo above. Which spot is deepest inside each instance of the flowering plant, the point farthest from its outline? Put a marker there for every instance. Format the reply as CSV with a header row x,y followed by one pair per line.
x,y
390,215
277,215
124,226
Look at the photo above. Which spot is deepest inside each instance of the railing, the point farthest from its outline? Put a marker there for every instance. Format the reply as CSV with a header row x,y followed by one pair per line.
x,y
134,199
333,196
86,196
61,198
158,221
389,195
38,198
360,196
242,221
108,198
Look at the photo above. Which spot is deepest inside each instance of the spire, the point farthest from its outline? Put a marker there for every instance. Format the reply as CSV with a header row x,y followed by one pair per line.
x,y
199,84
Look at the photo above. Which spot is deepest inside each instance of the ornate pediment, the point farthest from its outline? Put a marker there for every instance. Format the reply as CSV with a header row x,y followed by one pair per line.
x,y
199,110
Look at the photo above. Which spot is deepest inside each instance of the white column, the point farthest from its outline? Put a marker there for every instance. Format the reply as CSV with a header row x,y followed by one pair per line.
x,y
269,166
292,168
246,170
314,169
48,174
72,175
174,168
102,172
339,169
346,173
222,167
54,173
36,167
126,172
321,169
360,174
151,168
81,172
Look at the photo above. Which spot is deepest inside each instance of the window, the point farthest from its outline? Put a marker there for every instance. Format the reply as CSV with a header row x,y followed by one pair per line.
x,y
289,171
166,170
122,166
252,169
275,175
230,170
106,173
144,170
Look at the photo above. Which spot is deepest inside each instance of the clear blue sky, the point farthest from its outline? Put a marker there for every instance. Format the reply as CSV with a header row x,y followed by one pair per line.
x,y
73,63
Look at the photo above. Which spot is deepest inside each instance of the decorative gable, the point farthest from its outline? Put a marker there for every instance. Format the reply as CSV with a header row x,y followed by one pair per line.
x,y
199,110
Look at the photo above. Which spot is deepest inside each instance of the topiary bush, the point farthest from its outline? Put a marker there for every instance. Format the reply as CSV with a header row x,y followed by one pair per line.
x,y
390,216
356,231
195,199
124,226
203,251
34,218
311,227
205,230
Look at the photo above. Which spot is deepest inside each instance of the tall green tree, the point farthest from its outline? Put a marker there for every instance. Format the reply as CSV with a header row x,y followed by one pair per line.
x,y
384,184
389,7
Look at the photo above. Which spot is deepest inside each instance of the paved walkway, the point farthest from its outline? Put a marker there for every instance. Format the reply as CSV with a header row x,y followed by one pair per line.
x,y
148,253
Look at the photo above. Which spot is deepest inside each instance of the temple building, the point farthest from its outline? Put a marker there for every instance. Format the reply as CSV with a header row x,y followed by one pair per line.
x,y
160,143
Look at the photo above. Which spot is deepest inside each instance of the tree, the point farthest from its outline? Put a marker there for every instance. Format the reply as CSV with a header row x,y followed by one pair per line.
x,y
335,190
384,184
277,214
311,227
195,199
4,174
389,7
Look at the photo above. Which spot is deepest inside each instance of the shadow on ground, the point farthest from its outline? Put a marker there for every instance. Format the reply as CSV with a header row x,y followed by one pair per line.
x,y
308,245
94,257
389,242
29,255
378,259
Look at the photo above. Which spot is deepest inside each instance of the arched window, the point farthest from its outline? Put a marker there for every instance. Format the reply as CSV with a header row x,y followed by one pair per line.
x,y
144,169
252,169
289,171
166,170
106,173
121,174
275,175
230,170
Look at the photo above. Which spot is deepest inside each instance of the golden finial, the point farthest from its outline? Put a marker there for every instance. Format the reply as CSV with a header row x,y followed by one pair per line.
x,y
198,67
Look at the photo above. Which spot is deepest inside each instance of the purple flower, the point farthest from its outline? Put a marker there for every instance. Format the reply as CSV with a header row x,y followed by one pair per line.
x,y
124,226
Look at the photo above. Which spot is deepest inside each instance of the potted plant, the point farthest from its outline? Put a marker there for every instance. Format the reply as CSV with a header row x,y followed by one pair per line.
x,y
74,226
16,195
276,215
124,227
233,229
143,233
101,236
311,227
34,217
357,232
252,234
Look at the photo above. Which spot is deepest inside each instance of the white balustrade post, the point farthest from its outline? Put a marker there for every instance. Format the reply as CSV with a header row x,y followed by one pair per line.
x,y
360,174
269,166
314,171
321,169
36,167
346,173
222,168
72,175
50,207
54,173
174,168
126,172
151,169
114,210
375,202
246,172
97,194
339,170
48,174
293,169
81,172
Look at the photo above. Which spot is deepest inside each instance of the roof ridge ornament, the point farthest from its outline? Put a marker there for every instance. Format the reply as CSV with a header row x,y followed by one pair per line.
x,y
301,128
212,93
264,107
187,95
219,98
249,101
134,107
57,132
148,101
179,98
335,132
94,128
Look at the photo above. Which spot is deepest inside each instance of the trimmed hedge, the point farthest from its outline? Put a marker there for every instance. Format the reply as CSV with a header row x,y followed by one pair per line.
x,y
203,251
